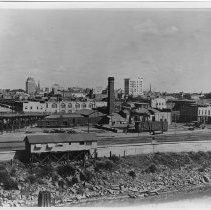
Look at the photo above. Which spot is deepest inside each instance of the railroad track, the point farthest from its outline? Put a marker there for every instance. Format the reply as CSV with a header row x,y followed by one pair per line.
x,y
159,138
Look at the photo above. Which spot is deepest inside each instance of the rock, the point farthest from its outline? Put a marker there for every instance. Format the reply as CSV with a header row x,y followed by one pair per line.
x,y
132,195
133,189
115,187
110,191
74,191
153,192
97,187
206,178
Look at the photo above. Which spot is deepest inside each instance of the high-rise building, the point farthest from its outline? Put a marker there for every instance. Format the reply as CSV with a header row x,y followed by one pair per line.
x,y
31,86
111,97
134,87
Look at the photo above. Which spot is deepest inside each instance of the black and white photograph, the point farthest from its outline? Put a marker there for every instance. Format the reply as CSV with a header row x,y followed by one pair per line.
x,y
105,104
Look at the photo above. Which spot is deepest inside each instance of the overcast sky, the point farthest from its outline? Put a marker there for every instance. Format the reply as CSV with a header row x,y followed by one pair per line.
x,y
171,49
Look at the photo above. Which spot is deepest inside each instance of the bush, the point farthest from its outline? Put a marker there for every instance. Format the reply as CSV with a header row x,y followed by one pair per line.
x,y
88,175
107,165
7,181
151,169
66,170
3,176
2,167
44,171
12,172
32,178
132,174
10,184
114,158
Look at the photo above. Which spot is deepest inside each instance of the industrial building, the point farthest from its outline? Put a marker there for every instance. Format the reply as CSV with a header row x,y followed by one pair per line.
x,y
81,118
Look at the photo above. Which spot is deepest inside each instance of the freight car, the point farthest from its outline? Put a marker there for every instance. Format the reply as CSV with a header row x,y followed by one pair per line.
x,y
151,126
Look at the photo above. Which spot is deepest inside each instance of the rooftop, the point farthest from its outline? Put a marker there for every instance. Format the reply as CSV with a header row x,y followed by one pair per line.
x,y
61,137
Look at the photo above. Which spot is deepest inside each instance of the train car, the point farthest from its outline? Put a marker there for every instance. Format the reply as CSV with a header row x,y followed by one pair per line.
x,y
151,126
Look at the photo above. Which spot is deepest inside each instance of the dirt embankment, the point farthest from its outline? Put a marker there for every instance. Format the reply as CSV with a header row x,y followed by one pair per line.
x,y
105,178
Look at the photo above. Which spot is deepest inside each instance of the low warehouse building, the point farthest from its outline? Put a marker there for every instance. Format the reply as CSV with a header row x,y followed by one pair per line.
x,y
46,146
69,120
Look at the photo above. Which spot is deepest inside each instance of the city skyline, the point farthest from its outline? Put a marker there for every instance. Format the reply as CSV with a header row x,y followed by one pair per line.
x,y
170,49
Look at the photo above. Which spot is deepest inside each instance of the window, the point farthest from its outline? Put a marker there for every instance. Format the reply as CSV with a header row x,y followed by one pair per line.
x,y
64,123
37,107
199,112
84,106
69,111
205,112
26,107
90,105
77,106
54,105
31,107
208,112
81,143
47,105
69,143
88,143
63,105
69,105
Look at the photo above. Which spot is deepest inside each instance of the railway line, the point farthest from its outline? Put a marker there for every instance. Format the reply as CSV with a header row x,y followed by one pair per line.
x,y
181,137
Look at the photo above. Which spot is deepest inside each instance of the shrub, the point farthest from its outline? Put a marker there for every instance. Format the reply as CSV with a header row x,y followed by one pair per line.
x,y
12,172
132,174
32,178
66,170
107,165
151,169
45,170
114,158
2,167
10,184
88,175
3,176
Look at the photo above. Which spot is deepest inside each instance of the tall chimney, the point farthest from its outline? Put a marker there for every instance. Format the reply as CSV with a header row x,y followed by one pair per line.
x,y
111,98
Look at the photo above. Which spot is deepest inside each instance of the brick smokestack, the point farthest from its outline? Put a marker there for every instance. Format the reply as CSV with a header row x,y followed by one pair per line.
x,y
111,98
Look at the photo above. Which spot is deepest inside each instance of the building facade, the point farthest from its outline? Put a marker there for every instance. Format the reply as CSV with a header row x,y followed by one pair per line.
x,y
204,114
61,106
133,87
31,86
159,103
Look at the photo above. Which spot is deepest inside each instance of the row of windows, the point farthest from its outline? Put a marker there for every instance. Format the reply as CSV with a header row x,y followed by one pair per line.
x,y
204,112
63,105
159,104
37,147
26,107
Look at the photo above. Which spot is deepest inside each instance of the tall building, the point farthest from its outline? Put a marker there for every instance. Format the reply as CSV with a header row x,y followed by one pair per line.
x,y
31,86
111,97
134,87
